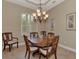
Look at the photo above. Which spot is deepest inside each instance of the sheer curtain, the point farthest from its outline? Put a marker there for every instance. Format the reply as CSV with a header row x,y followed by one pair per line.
x,y
27,24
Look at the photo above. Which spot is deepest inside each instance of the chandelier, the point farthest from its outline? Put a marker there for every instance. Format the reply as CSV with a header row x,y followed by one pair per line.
x,y
40,15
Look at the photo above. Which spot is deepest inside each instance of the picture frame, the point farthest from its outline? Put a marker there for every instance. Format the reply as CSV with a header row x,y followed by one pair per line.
x,y
71,21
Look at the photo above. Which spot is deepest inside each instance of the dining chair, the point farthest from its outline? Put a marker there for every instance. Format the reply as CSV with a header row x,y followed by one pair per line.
x,y
43,33
49,51
9,40
29,48
50,34
34,34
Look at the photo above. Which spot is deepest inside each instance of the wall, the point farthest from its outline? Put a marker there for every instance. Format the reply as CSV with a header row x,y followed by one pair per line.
x,y
58,13
12,18
12,21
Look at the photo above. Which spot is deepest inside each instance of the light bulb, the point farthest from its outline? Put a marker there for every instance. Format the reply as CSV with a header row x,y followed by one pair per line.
x,y
44,12
46,15
34,14
38,10
39,14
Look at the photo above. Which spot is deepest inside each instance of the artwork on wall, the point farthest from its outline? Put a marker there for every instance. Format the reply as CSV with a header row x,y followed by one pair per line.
x,y
71,21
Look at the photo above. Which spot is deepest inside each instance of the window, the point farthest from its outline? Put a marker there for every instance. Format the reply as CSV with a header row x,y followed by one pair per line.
x,y
27,24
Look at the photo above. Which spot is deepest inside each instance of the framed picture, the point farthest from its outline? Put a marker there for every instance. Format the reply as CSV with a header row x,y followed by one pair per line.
x,y
71,21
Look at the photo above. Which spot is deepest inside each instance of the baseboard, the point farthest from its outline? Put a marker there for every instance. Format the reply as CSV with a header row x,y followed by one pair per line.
x,y
22,44
67,48
60,45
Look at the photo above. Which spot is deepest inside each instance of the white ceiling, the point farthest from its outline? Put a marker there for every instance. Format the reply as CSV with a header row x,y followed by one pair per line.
x,y
38,1
34,4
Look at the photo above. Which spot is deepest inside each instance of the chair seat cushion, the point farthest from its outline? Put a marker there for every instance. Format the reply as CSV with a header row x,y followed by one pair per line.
x,y
33,48
12,41
43,51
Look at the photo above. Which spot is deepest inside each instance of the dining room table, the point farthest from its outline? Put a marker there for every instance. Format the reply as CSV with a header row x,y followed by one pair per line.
x,y
39,43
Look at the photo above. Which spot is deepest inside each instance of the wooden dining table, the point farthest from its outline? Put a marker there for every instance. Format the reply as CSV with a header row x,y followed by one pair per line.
x,y
40,43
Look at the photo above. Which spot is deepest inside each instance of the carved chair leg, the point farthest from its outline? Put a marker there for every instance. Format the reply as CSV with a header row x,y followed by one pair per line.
x,y
29,55
55,55
17,44
10,48
4,47
46,56
39,55
25,53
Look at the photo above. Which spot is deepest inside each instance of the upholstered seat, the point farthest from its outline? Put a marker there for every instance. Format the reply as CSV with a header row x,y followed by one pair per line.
x,y
44,50
33,48
12,41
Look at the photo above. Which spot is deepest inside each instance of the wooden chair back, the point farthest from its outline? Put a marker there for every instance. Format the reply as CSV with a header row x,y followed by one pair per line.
x,y
7,36
54,45
43,33
50,34
34,34
26,42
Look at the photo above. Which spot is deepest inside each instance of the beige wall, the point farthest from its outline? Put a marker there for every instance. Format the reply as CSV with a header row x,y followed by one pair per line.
x,y
12,18
12,21
67,38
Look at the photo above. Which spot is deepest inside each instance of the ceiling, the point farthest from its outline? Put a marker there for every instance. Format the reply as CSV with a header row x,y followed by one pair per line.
x,y
34,4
